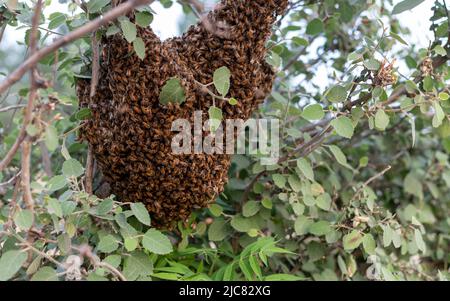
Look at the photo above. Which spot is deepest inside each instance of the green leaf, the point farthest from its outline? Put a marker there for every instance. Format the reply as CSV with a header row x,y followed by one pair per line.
x,y
372,64
72,168
320,228
282,277
172,92
32,130
412,185
24,219
302,224
343,126
419,241
306,168
339,156
323,201
267,203
439,115
337,94
232,101
428,84
369,244
279,180
444,96
144,19
83,114
140,212
95,6
387,236
215,113
156,242
131,243
45,274
352,240
105,206
108,244
314,27
51,138
398,38
56,19
129,30
300,41
250,208
137,264
217,230
313,112
54,206
139,48
406,5
216,210
10,263
381,120
221,80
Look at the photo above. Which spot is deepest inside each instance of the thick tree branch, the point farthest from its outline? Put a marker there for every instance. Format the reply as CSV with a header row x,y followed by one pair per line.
x,y
26,146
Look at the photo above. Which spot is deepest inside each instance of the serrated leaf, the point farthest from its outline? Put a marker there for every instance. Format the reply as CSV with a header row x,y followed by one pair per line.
x,y
10,263
108,244
217,230
137,264
141,213
45,274
54,206
24,219
156,242
320,228
279,180
72,168
250,208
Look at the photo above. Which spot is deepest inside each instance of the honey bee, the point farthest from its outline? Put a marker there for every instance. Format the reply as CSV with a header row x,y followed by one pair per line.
x,y
130,130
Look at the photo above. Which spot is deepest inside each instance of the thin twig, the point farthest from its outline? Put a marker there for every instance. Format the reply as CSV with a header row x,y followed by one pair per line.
x,y
13,107
89,171
370,180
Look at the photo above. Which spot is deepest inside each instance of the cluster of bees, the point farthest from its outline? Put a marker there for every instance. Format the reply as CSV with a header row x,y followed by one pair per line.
x,y
130,131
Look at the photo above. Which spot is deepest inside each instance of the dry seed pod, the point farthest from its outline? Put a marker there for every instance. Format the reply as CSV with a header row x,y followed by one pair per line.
x,y
130,131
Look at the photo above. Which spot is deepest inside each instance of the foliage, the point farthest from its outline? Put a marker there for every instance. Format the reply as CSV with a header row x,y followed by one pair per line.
x,y
362,190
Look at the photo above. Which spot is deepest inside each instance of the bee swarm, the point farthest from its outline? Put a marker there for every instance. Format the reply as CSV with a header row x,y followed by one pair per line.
x,y
130,131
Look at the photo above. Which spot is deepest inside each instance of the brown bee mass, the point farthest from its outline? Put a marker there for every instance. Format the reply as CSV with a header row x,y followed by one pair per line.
x,y
130,131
